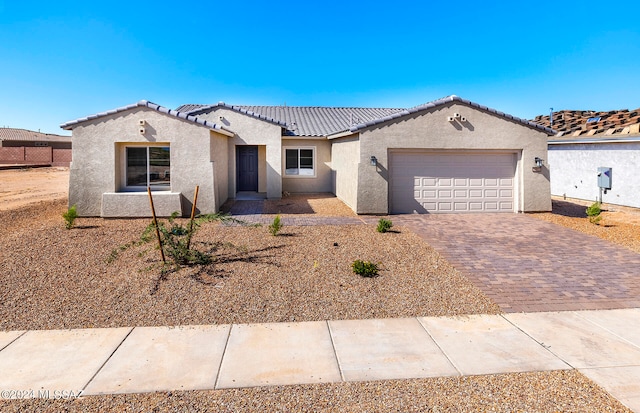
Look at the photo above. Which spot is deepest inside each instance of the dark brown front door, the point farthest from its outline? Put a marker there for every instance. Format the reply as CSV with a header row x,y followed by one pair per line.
x,y
247,168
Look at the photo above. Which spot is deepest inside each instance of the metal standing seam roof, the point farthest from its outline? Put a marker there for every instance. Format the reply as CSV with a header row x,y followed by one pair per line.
x,y
327,121
145,103
13,134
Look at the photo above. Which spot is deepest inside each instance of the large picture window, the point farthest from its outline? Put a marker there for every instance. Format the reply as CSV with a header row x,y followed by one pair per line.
x,y
299,162
148,166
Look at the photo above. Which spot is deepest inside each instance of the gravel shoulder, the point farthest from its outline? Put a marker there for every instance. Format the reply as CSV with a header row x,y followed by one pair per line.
x,y
556,391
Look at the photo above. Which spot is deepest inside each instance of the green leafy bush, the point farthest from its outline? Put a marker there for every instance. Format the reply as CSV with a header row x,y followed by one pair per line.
x,y
594,209
593,212
384,225
365,268
176,240
275,226
70,217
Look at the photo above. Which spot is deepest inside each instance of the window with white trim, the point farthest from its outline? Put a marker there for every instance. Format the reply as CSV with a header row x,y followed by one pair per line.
x,y
300,162
148,166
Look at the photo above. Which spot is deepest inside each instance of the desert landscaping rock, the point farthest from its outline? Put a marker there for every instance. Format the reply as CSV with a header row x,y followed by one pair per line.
x,y
54,278
57,278
558,391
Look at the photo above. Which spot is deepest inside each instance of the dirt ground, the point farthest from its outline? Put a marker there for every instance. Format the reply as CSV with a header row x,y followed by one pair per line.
x,y
22,187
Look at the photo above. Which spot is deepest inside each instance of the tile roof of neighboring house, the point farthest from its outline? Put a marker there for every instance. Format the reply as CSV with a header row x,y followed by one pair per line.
x,y
151,105
12,134
592,125
326,121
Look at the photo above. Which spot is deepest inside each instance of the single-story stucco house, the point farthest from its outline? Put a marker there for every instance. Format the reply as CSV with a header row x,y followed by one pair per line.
x,y
447,156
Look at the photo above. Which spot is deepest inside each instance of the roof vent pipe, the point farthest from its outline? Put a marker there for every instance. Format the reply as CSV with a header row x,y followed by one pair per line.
x,y
551,117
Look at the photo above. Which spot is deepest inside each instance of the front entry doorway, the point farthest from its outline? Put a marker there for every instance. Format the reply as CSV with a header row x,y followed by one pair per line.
x,y
246,168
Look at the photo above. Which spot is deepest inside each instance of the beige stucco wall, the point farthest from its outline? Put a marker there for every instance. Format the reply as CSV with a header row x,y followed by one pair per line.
x,y
322,181
198,156
252,131
345,157
431,130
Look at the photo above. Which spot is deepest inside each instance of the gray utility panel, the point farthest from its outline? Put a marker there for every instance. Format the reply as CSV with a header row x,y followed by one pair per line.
x,y
604,177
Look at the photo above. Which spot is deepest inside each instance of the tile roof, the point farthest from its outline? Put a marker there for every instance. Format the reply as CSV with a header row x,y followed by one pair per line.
x,y
145,103
303,120
12,134
592,125
327,121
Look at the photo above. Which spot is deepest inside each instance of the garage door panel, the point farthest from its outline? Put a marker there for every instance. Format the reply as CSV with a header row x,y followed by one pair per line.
x,y
490,193
452,182
461,206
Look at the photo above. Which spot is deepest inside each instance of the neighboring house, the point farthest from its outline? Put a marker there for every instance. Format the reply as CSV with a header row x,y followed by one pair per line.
x,y
449,155
587,140
21,146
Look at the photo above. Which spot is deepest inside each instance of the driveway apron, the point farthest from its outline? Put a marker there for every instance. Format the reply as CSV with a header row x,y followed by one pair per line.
x,y
528,265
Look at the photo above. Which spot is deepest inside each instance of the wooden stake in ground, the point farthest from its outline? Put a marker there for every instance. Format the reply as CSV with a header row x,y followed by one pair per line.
x,y
155,224
193,215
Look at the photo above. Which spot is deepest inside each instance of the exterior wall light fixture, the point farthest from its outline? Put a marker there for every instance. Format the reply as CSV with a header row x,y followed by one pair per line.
x,y
539,162
374,161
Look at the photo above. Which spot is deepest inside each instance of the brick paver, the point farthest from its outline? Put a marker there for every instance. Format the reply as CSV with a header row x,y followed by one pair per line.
x,y
529,265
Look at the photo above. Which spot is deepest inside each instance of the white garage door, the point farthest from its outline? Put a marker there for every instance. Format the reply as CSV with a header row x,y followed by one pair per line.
x,y
451,182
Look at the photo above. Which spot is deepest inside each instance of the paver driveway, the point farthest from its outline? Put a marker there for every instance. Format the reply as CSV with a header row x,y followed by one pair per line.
x,y
525,264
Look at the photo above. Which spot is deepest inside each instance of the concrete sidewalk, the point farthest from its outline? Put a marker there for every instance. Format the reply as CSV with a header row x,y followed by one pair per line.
x,y
604,345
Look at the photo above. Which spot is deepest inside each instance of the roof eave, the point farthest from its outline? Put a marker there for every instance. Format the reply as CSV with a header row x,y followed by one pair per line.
x,y
145,103
449,99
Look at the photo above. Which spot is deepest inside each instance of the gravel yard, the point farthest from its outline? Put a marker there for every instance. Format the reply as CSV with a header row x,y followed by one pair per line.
x,y
619,225
54,278
58,278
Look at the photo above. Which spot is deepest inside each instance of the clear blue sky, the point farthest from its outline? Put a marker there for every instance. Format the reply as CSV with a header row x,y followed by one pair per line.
x,y
65,60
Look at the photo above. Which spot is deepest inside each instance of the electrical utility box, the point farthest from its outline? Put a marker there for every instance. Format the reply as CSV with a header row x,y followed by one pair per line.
x,y
604,177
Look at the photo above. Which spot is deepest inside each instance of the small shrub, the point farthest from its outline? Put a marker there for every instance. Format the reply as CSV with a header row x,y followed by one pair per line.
x,y
275,226
594,209
384,225
595,220
70,217
365,268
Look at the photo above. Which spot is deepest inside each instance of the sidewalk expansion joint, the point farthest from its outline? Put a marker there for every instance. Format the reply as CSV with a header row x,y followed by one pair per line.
x,y
224,353
107,359
335,353
547,348
440,348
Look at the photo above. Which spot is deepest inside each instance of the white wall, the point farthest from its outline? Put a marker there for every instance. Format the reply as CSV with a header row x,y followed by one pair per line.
x,y
574,169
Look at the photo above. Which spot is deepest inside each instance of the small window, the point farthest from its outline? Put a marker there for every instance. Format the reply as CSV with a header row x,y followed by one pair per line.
x,y
148,166
299,162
